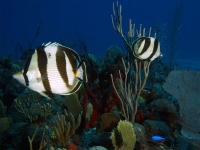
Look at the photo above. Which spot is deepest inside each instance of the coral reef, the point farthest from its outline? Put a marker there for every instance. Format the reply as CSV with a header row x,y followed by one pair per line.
x,y
122,106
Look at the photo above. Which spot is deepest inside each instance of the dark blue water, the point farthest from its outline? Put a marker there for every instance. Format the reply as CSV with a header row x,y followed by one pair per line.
x,y
90,20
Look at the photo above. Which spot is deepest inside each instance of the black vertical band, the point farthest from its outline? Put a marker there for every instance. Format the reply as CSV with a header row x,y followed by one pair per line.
x,y
61,65
146,45
42,66
155,48
26,70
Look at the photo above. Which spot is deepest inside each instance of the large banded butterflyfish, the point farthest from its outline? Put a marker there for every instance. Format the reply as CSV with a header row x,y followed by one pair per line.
x,y
146,48
53,69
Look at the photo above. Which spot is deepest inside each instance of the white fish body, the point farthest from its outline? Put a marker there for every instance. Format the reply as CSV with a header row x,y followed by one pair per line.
x,y
53,68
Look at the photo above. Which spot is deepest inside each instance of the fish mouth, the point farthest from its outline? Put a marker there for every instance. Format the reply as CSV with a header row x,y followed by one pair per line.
x,y
16,75
19,77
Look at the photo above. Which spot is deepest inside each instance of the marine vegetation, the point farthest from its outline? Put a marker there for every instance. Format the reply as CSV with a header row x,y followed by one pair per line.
x,y
73,100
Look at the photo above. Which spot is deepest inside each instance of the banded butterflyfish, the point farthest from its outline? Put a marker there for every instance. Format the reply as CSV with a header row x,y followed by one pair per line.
x,y
53,69
146,48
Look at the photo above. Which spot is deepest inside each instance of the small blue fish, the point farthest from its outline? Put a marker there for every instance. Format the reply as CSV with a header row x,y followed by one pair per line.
x,y
157,138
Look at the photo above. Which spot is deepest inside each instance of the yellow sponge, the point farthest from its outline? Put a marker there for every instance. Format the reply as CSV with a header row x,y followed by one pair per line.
x,y
123,137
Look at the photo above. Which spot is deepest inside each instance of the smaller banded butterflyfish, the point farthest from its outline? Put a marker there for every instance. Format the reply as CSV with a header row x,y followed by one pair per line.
x,y
146,48
53,69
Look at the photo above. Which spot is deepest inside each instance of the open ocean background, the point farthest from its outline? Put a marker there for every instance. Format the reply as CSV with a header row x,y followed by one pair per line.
x,y
90,20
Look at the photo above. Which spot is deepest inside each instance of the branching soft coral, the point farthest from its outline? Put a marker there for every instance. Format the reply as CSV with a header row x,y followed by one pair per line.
x,y
63,129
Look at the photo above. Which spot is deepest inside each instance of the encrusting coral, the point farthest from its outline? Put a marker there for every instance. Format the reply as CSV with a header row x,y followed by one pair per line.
x,y
73,104
4,124
2,110
89,111
4,121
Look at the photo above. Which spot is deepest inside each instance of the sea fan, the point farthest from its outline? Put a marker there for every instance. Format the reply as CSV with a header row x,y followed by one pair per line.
x,y
185,87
